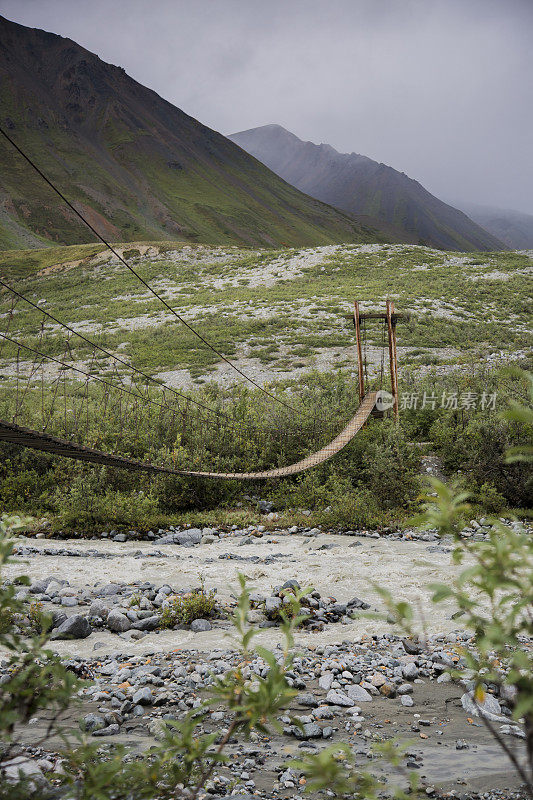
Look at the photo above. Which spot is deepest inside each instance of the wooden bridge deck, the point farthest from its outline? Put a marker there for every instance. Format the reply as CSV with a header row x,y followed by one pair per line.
x,y
25,437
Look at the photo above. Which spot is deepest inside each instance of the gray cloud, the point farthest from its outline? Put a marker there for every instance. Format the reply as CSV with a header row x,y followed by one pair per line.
x,y
440,89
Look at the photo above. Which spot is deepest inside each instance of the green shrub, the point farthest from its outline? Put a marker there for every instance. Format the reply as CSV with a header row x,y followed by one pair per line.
x,y
490,499
39,622
357,508
477,449
374,479
7,617
184,609
83,509
389,466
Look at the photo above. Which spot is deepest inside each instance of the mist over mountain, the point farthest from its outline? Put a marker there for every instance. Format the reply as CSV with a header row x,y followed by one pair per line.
x,y
513,228
135,165
358,185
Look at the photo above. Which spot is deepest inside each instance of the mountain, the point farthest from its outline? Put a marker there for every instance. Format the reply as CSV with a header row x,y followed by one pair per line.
x,y
135,165
358,185
514,228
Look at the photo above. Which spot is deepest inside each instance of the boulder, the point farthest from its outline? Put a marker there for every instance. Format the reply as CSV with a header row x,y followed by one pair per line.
x,y
291,584
142,697
74,627
272,607
53,588
23,769
92,722
323,713
405,688
200,625
310,730
118,622
39,586
411,647
307,699
110,589
358,694
147,624
325,681
336,698
356,602
98,609
58,617
410,671
189,537
109,730
489,708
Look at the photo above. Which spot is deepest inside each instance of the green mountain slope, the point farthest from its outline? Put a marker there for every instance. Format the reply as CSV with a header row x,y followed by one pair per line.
x,y
137,166
358,185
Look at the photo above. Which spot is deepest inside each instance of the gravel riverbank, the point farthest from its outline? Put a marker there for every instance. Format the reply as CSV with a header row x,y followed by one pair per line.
x,y
357,681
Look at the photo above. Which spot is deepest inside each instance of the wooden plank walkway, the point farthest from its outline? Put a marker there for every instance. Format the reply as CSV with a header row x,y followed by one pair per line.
x,y
26,437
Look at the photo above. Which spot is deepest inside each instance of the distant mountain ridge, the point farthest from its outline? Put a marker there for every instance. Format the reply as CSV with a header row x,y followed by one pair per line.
x,y
138,167
358,185
513,228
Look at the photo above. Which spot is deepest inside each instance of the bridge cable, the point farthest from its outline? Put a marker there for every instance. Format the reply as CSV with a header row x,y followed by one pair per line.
x,y
382,366
112,355
106,383
141,279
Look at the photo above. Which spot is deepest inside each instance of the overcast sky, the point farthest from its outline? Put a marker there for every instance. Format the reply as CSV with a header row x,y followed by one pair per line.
x,y
440,89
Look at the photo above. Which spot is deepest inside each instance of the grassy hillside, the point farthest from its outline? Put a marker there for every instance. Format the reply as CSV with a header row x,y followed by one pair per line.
x,y
278,313
136,166
284,316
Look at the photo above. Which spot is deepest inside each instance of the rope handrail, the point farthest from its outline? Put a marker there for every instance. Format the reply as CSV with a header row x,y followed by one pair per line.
x,y
99,347
141,279
26,437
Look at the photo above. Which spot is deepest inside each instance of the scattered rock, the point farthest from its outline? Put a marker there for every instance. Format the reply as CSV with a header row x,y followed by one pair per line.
x,y
118,622
307,699
142,697
74,627
189,538
200,625
92,722
410,671
272,607
358,694
22,768
336,698
489,708
309,730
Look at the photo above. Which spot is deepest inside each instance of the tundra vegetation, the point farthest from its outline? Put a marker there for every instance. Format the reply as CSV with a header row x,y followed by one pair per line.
x,y
287,312
373,482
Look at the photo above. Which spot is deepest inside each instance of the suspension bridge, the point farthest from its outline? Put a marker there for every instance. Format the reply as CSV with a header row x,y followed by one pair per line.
x,y
60,404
